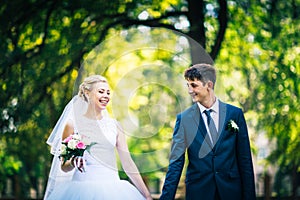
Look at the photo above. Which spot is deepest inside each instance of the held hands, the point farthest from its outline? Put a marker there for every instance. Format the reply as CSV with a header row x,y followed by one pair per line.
x,y
148,196
79,163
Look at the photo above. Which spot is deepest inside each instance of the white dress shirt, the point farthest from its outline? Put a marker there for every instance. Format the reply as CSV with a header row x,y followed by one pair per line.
x,y
214,115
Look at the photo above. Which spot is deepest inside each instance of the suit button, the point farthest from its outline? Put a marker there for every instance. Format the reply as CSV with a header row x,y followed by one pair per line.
x,y
216,172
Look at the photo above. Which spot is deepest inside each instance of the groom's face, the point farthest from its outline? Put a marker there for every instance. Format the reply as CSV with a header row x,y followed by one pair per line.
x,y
198,90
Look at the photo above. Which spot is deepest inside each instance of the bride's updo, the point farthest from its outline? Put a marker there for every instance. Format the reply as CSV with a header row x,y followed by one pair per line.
x,y
87,85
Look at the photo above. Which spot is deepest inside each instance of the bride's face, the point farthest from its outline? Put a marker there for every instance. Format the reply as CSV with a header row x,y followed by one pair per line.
x,y
100,95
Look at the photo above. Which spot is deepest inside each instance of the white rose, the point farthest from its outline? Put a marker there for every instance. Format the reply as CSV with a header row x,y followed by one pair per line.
x,y
63,149
72,144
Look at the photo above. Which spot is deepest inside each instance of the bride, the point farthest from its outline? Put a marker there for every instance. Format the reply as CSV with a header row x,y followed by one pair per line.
x,y
95,174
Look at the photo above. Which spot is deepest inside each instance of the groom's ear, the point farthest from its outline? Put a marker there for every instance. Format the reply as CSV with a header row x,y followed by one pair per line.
x,y
210,84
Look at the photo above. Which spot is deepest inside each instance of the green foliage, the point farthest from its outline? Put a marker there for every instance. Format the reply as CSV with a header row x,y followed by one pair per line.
x,y
44,43
264,64
9,164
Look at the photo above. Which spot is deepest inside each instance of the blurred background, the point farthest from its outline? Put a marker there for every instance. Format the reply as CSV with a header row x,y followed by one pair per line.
x,y
143,47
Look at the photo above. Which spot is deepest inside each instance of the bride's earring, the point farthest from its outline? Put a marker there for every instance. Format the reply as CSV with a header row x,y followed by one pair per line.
x,y
86,96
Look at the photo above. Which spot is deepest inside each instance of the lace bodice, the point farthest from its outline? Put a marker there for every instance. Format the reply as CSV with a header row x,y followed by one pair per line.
x,y
104,133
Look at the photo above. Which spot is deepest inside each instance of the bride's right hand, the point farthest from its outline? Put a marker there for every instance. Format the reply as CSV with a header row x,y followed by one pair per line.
x,y
79,163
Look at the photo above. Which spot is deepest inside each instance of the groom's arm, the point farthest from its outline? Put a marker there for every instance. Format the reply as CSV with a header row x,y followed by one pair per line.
x,y
245,159
177,157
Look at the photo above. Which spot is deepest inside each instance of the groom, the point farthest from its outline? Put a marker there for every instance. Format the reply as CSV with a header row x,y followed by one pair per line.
x,y
215,136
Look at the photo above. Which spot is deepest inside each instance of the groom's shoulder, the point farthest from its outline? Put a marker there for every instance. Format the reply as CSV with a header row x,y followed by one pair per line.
x,y
232,107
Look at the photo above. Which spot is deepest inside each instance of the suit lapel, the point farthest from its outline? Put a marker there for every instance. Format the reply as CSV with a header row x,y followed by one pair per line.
x,y
222,117
199,123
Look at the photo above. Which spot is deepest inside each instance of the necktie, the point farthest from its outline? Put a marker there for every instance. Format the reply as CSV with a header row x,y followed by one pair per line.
x,y
211,127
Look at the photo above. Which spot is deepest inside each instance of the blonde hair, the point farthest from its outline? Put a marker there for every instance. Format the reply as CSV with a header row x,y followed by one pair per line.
x,y
87,84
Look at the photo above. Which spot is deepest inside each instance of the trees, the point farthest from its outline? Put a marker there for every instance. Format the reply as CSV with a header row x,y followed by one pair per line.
x,y
261,45
43,44
282,83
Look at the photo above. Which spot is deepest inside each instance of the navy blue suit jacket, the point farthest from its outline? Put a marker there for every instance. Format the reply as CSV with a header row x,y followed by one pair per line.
x,y
225,168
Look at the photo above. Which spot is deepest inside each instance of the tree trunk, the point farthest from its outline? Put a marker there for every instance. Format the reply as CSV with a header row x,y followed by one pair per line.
x,y
196,17
294,182
197,31
267,187
17,187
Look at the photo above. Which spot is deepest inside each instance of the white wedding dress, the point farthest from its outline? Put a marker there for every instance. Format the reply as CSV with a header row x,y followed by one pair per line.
x,y
101,180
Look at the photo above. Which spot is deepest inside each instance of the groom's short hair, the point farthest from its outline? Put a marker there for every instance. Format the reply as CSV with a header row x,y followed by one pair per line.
x,y
202,72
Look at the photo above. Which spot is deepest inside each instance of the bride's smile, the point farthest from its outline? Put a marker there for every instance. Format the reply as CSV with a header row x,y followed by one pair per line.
x,y
100,95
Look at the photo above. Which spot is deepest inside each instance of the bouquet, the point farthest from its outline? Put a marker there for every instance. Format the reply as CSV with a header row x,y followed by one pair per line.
x,y
73,146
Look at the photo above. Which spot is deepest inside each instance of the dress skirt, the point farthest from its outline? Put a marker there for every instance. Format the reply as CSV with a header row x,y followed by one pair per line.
x,y
96,183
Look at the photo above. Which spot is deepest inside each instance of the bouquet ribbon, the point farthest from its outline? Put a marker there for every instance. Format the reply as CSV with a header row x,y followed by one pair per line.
x,y
78,165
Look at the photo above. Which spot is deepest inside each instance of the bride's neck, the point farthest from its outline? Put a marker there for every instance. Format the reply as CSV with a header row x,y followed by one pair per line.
x,y
92,114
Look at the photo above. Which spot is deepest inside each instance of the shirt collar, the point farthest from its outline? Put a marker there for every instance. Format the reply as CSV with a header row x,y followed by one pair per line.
x,y
214,107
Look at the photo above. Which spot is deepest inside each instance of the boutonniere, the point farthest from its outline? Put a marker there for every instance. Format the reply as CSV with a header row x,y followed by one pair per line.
x,y
232,126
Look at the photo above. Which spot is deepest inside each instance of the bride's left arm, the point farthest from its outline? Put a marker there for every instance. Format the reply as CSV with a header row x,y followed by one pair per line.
x,y
129,166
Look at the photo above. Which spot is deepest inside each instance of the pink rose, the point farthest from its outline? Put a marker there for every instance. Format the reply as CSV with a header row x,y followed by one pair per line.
x,y
80,145
68,139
